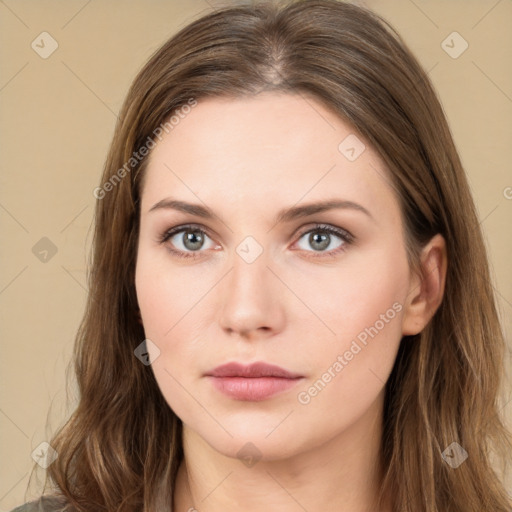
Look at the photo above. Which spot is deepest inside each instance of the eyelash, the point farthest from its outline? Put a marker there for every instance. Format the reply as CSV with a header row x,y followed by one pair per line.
x,y
322,228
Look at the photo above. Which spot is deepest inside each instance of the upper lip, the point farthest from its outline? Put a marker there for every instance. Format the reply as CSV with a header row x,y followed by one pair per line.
x,y
253,370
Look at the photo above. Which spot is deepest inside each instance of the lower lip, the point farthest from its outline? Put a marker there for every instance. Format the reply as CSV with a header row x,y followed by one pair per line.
x,y
252,389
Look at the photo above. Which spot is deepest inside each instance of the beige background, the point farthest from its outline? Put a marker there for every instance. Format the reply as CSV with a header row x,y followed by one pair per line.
x,y
57,119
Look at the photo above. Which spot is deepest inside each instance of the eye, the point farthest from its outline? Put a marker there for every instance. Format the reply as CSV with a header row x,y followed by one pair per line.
x,y
186,240
322,240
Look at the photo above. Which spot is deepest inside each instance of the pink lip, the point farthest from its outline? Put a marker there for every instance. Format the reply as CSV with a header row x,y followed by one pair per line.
x,y
255,382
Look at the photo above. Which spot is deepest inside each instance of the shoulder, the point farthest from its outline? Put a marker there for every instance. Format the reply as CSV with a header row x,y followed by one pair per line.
x,y
43,504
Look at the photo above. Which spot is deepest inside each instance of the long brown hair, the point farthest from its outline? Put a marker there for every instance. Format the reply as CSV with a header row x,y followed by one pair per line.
x,y
121,448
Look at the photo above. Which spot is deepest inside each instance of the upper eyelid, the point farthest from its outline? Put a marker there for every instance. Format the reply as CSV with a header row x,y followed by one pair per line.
x,y
328,227
178,229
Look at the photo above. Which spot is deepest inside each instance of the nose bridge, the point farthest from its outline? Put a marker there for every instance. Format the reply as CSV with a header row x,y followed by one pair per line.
x,y
249,276
249,298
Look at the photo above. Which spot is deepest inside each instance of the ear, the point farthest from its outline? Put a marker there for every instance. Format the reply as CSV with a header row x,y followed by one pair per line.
x,y
426,290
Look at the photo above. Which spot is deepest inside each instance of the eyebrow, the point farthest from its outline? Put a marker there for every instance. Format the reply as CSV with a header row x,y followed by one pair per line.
x,y
284,215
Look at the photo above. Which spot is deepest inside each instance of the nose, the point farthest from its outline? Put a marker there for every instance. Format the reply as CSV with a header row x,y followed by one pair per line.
x,y
251,300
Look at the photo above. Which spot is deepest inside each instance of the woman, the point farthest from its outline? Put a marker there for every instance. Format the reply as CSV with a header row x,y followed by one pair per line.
x,y
290,304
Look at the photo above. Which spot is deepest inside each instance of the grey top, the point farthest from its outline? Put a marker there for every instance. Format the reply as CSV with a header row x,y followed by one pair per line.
x,y
43,504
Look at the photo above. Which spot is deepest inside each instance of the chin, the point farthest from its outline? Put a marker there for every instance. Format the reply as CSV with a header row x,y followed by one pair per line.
x,y
267,438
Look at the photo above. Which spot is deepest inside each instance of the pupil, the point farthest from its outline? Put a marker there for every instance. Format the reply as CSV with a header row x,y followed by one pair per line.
x,y
193,238
324,240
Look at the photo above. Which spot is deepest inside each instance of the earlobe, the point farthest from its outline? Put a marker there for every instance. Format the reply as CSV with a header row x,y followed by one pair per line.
x,y
426,290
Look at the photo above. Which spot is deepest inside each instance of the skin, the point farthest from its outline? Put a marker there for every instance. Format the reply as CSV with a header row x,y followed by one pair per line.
x,y
293,306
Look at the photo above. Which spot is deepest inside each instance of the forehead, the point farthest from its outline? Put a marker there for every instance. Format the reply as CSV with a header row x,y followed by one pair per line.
x,y
273,148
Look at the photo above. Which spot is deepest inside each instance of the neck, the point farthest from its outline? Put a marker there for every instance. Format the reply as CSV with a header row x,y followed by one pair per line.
x,y
343,474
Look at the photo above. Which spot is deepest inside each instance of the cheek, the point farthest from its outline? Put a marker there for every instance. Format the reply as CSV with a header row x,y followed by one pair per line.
x,y
365,309
352,375
169,303
166,292
176,309
355,296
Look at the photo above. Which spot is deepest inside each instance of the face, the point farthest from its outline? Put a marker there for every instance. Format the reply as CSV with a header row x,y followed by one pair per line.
x,y
318,292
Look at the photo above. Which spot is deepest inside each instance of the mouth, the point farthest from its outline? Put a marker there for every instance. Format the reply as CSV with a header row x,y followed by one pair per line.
x,y
254,382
